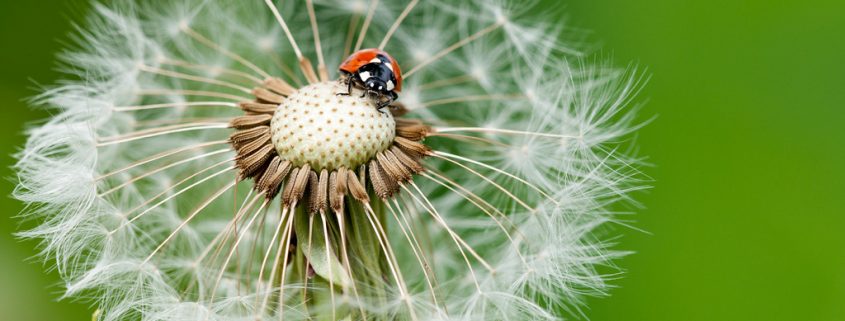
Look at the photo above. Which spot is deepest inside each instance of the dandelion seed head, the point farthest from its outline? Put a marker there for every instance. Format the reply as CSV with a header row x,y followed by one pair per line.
x,y
200,164
348,131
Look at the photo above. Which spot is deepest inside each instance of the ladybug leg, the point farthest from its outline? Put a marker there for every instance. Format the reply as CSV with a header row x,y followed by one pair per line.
x,y
348,88
385,100
391,96
380,105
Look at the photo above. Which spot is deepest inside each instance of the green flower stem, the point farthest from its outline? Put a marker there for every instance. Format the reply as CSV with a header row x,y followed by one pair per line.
x,y
366,267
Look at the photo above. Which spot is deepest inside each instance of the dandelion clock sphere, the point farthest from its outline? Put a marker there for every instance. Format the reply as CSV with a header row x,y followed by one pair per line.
x,y
329,160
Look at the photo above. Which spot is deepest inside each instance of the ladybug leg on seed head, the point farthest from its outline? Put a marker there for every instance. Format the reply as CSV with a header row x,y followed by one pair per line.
x,y
382,102
391,96
348,78
348,88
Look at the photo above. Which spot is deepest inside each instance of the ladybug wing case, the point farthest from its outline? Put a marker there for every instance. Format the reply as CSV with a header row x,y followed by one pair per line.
x,y
358,59
397,73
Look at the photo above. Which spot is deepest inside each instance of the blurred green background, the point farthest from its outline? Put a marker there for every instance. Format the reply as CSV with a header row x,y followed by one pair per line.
x,y
747,219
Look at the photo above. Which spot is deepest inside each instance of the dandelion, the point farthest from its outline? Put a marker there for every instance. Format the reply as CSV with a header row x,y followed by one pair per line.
x,y
208,161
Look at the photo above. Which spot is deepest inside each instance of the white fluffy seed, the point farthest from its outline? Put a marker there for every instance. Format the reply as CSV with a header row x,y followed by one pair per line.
x,y
317,126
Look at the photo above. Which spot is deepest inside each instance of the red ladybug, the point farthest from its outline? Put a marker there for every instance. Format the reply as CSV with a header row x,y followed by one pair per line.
x,y
374,71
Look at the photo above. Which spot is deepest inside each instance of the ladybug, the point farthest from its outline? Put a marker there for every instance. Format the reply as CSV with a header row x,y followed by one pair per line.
x,y
374,71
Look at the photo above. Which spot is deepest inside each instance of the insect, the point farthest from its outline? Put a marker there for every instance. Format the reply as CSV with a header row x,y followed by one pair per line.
x,y
374,71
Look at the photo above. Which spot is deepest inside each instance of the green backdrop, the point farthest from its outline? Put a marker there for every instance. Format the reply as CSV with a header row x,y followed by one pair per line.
x,y
747,219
